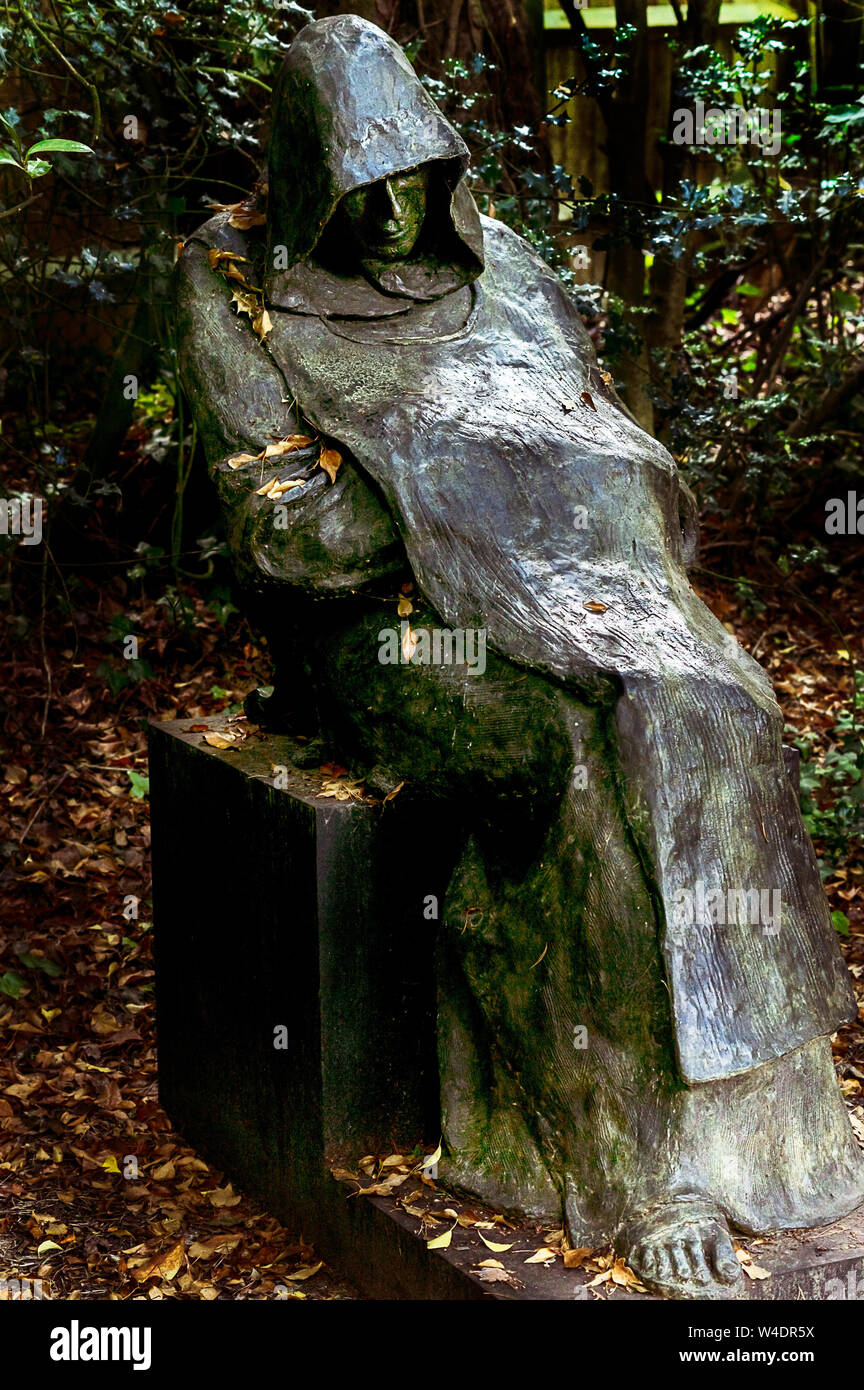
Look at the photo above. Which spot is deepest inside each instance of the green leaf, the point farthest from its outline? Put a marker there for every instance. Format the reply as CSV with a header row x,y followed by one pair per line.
x,y
140,784
7,158
10,984
35,168
62,146
31,962
841,922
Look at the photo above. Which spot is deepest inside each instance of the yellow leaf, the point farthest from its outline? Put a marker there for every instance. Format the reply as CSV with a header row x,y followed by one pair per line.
x,y
307,1271
490,1264
440,1242
404,607
594,607
240,460
223,1197
288,446
46,1246
540,1256
431,1160
110,1164
783,184
262,324
246,303
490,1244
756,1271
244,217
217,741
331,461
574,1258
409,643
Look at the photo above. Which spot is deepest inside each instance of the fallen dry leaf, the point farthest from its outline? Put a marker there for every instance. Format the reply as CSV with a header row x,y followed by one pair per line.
x,y
574,1259
289,445
490,1244
440,1242
243,217
331,461
164,1266
262,324
223,1197
214,1245
306,1271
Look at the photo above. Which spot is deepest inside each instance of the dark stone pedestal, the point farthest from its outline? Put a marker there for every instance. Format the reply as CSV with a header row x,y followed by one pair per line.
x,y
279,909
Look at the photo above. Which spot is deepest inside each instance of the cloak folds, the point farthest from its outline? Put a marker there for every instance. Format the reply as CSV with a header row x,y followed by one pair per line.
x,y
481,443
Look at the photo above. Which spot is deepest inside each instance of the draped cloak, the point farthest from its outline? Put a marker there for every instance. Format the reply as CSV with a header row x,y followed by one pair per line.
x,y
531,505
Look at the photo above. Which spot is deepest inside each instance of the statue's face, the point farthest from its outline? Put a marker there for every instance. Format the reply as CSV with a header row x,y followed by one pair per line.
x,y
386,218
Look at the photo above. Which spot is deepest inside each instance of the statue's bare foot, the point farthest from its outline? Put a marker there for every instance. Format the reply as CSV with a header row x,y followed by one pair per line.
x,y
682,1250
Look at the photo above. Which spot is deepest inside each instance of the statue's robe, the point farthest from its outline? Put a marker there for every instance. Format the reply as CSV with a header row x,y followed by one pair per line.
x,y
484,449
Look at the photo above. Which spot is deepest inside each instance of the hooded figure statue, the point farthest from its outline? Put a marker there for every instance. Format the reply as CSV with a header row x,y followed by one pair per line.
x,y
638,975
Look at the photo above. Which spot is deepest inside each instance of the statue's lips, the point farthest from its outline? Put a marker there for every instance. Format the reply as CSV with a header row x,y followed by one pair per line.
x,y
391,238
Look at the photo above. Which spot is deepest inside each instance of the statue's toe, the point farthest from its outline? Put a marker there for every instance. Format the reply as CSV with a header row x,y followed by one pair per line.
x,y
683,1250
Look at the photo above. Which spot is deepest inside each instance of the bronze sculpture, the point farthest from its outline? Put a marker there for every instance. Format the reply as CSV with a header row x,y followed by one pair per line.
x,y
638,973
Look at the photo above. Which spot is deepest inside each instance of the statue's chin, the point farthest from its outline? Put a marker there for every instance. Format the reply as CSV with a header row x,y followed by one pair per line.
x,y
388,254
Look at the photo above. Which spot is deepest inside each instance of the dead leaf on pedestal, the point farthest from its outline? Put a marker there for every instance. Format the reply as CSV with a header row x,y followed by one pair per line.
x,y
440,1242
756,1272
343,789
384,1189
499,1276
218,741
490,1244
430,1161
574,1259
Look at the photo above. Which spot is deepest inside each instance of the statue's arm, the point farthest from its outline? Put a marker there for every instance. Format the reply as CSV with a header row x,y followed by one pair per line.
x,y
320,536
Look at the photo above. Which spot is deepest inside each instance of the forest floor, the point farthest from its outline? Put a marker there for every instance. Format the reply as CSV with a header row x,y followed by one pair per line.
x,y
99,1196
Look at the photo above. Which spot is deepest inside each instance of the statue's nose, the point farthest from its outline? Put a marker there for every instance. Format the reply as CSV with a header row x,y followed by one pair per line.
x,y
393,199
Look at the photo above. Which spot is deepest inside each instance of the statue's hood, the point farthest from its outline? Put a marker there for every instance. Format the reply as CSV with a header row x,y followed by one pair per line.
x,y
350,110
